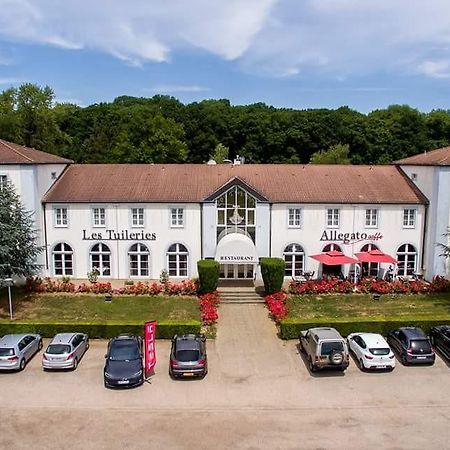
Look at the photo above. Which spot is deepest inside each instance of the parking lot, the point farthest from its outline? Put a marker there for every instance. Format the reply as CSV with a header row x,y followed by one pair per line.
x,y
258,394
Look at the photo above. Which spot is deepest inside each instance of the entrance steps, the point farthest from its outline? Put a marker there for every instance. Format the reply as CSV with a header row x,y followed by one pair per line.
x,y
240,295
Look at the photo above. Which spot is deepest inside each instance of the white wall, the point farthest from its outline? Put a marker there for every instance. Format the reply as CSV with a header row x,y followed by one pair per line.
x,y
352,220
118,217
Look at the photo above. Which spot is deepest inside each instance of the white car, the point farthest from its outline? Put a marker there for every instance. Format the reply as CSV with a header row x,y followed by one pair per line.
x,y
371,350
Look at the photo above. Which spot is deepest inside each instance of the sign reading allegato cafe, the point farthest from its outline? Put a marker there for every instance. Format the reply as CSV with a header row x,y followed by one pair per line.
x,y
122,235
349,238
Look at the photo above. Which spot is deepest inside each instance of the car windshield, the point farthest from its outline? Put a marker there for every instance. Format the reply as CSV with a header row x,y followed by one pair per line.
x,y
329,347
379,351
187,355
58,349
420,346
124,351
6,352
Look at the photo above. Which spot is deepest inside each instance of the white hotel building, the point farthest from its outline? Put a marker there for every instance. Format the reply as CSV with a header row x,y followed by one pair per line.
x,y
132,221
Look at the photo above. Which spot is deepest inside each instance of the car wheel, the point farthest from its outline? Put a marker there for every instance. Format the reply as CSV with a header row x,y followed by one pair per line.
x,y
22,364
404,360
40,345
336,358
75,363
361,365
311,366
302,350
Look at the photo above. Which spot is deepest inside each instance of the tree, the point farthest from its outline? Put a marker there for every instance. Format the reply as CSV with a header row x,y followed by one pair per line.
x,y
220,153
18,239
446,247
336,154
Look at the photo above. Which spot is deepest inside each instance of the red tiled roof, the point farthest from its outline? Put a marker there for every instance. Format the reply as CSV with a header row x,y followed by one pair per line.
x,y
281,183
11,153
439,157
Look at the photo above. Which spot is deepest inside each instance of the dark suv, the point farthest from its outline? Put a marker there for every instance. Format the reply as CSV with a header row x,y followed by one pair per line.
x,y
188,356
123,366
440,338
412,345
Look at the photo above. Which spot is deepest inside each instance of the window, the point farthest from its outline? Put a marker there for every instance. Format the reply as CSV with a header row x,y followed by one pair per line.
x,y
333,217
236,213
294,217
137,217
62,259
177,260
371,218
138,257
3,181
99,217
407,260
332,248
100,256
294,257
369,268
409,218
176,217
61,217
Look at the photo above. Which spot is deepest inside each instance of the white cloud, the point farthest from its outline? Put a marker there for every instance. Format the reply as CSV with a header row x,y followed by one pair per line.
x,y
168,88
11,81
137,30
435,69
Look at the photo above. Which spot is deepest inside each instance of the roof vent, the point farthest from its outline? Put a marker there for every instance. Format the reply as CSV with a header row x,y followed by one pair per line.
x,y
238,160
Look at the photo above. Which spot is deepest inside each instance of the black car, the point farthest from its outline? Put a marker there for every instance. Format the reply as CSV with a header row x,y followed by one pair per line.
x,y
440,338
412,345
123,366
188,356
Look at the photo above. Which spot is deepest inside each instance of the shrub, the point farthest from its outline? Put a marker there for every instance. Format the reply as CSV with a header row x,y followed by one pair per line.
x,y
106,330
290,328
272,270
208,275
276,303
440,284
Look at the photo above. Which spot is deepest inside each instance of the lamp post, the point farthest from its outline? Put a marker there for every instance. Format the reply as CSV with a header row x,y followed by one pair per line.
x,y
9,282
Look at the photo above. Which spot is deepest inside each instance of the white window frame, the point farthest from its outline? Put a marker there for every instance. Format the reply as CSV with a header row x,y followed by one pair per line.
x,y
178,256
64,254
100,224
139,255
296,217
175,214
335,218
58,216
370,215
408,216
138,223
104,259
4,180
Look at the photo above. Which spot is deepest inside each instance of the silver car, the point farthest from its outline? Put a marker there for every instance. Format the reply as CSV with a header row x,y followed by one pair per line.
x,y
17,349
65,351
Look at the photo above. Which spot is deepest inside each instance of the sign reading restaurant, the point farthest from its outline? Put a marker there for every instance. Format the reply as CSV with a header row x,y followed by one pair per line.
x,y
349,238
236,258
122,235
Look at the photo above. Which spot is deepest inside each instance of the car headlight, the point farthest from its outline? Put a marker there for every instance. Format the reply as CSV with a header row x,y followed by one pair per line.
x,y
137,374
107,375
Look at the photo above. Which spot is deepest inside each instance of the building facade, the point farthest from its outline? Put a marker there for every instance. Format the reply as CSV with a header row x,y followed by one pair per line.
x,y
133,221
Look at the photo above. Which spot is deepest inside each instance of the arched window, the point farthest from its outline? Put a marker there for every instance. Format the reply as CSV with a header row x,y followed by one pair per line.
x,y
294,257
369,268
177,260
62,259
331,247
407,260
100,256
138,257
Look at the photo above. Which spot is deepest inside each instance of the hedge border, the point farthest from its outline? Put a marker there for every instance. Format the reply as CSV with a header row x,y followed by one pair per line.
x,y
99,330
290,328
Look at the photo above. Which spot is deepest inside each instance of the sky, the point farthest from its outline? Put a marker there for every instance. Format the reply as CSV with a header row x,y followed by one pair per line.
x,y
366,54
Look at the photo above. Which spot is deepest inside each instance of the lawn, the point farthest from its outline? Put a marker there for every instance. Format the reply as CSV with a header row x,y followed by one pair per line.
x,y
93,308
360,306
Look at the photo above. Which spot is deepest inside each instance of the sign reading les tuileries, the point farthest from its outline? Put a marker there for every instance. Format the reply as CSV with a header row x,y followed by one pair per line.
x,y
349,238
122,235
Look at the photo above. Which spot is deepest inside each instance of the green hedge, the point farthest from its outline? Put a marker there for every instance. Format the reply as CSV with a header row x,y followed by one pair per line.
x,y
208,275
106,330
272,271
290,328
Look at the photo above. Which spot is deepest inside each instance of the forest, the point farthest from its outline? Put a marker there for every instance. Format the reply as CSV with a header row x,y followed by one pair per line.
x,y
161,129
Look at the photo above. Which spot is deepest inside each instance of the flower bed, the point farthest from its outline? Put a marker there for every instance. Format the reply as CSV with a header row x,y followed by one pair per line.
x,y
370,285
208,306
276,303
47,285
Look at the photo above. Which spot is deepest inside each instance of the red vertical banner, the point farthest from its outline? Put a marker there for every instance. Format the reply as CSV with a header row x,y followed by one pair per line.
x,y
150,351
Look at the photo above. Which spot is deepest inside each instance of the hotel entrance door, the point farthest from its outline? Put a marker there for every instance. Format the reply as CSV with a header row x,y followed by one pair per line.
x,y
237,271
